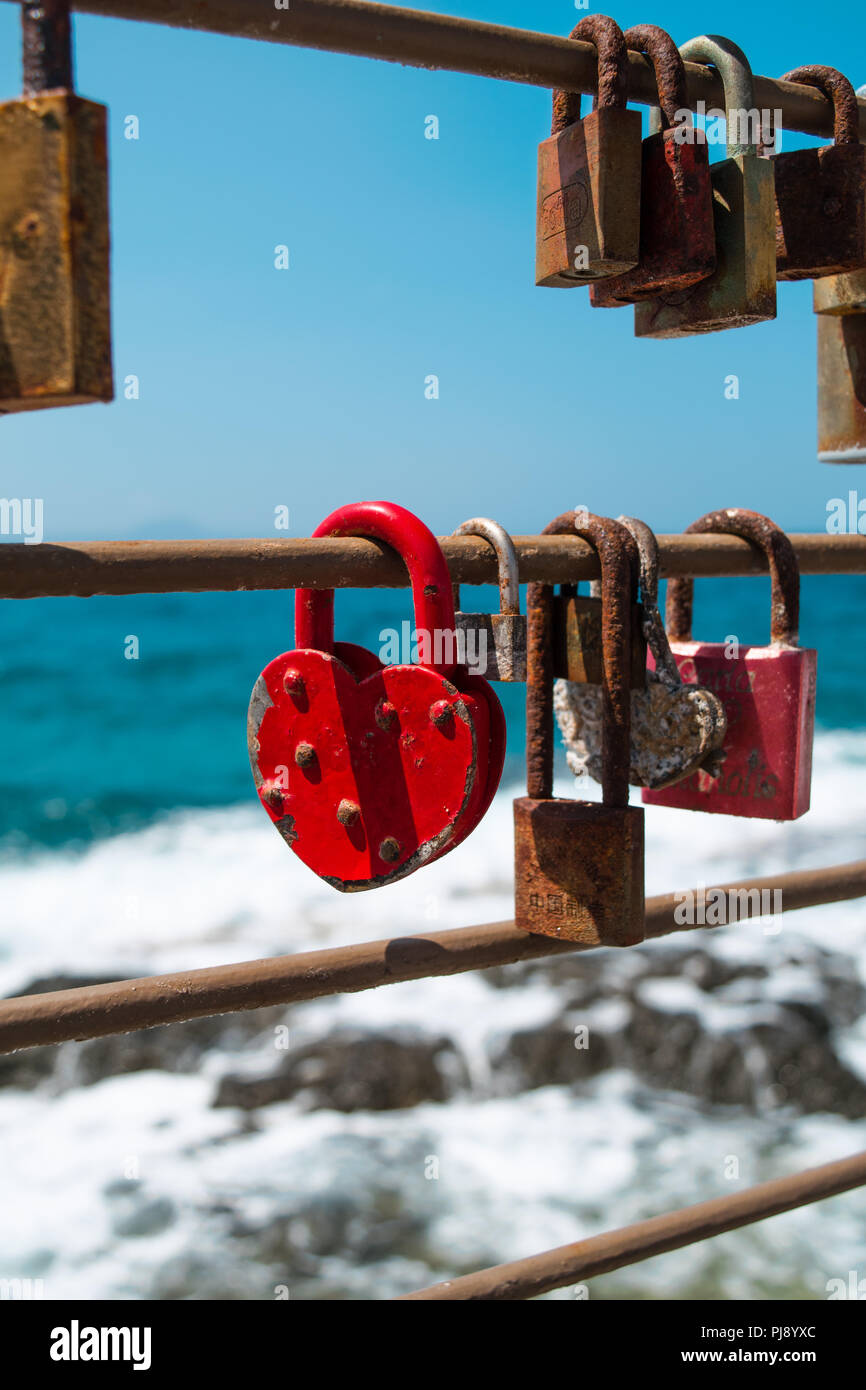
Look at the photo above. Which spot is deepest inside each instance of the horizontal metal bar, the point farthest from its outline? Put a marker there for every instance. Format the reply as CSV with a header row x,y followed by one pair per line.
x,y
84,568
587,1259
419,39
97,1010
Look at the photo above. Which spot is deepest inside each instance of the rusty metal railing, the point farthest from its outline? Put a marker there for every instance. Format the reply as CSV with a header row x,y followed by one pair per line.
x,y
97,1010
420,39
586,1259
85,568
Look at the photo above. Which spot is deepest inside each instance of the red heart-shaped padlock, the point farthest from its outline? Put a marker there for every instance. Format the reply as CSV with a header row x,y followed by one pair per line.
x,y
370,771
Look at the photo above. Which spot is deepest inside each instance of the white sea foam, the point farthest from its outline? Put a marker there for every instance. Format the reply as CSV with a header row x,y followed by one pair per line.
x,y
517,1174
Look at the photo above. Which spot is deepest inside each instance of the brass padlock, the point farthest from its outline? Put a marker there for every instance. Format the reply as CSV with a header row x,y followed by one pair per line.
x,y
821,193
842,388
589,171
494,643
840,294
577,639
55,328
677,238
579,865
742,289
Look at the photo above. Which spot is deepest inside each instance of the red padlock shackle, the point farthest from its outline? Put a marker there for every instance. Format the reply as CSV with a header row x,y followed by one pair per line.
x,y
422,555
784,575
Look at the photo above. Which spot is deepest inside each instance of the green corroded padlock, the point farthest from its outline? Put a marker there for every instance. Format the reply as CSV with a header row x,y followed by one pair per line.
x,y
742,289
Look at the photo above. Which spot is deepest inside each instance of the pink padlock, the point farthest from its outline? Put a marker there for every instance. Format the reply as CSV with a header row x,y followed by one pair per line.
x,y
768,692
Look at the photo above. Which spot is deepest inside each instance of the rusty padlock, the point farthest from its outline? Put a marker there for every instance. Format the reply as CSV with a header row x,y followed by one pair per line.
x,y
55,327
742,288
579,865
494,643
369,772
677,234
841,387
821,193
588,214
578,649
840,294
675,728
768,692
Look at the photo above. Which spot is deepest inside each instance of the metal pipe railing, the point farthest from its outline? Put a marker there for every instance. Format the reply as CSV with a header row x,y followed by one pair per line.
x,y
586,1259
420,39
84,568
98,1010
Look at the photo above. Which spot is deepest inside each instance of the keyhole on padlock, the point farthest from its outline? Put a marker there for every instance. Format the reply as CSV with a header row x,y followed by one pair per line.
x,y
26,234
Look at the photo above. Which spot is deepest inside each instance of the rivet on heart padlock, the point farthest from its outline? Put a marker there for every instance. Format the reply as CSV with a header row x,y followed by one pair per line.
x,y
369,771
675,728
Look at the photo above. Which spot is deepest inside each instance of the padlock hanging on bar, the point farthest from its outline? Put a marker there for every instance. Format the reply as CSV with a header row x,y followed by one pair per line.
x,y
742,289
55,326
589,174
821,193
768,692
675,728
502,635
579,865
677,234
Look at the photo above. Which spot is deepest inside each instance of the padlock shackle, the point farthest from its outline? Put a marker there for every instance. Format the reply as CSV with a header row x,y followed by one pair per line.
x,y
428,573
506,560
618,559
836,88
784,575
605,33
669,69
734,68
654,633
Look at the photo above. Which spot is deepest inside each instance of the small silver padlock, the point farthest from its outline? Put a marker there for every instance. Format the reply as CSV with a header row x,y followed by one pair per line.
x,y
675,728
497,640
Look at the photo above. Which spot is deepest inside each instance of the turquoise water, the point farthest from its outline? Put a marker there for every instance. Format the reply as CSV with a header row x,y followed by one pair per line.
x,y
96,743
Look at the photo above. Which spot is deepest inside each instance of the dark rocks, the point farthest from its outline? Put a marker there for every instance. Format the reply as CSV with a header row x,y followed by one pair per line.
x,y
353,1070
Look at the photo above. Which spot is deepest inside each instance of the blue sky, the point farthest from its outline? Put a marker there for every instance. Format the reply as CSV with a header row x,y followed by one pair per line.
x,y
409,257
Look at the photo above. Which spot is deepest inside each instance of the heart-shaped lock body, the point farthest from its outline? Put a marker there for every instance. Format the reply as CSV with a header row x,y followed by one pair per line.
x,y
675,728
371,771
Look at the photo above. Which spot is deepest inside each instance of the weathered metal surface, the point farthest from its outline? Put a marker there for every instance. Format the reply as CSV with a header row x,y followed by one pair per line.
x,y
578,866
46,33
83,568
93,1011
677,235
578,653
587,1259
589,175
55,326
842,388
501,636
768,692
411,782
821,193
675,728
417,38
840,294
55,329
742,289
416,752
